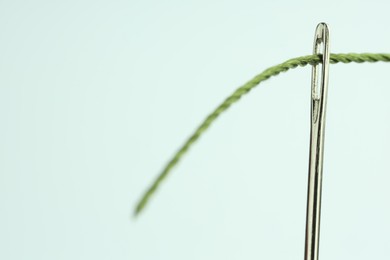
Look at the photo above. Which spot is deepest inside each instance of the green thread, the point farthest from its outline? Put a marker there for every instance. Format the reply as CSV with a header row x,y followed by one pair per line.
x,y
236,95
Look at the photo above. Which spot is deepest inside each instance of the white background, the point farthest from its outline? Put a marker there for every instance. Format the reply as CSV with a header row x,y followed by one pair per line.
x,y
95,96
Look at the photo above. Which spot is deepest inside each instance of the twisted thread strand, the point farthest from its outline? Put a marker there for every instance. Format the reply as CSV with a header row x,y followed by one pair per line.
x,y
237,94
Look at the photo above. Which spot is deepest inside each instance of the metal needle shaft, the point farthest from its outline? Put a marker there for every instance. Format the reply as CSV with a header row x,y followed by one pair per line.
x,y
318,109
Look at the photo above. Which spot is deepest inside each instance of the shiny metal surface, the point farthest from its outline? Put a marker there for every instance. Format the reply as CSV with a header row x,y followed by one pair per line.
x,y
318,109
